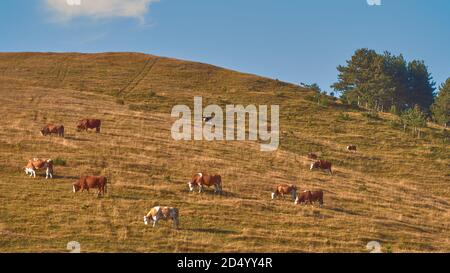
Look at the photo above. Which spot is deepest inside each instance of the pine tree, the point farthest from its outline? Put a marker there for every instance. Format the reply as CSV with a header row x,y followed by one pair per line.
x,y
421,87
379,82
441,107
357,80
396,67
415,119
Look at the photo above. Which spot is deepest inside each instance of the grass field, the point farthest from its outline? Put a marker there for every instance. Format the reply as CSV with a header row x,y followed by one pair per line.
x,y
395,189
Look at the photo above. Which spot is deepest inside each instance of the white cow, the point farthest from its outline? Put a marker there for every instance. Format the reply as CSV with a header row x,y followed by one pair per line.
x,y
165,213
39,164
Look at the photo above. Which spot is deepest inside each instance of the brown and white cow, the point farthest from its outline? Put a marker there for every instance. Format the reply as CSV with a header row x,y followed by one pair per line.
x,y
202,179
86,124
90,182
303,198
312,156
36,164
164,213
283,189
53,129
351,148
310,197
323,165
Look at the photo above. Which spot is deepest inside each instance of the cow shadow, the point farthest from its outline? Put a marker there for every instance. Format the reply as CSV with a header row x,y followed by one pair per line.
x,y
211,230
225,194
76,139
66,177
342,210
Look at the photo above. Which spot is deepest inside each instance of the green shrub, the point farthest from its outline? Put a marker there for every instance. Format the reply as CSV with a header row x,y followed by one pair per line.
x,y
310,98
324,101
371,115
344,116
120,101
394,110
396,124
59,162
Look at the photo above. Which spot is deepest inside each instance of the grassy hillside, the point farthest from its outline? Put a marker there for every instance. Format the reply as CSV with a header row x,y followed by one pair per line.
x,y
394,190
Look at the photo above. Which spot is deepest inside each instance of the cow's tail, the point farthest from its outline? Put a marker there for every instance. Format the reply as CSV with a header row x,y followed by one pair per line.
x,y
220,183
98,127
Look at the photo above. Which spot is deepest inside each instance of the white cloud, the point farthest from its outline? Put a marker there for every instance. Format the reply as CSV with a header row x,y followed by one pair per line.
x,y
66,10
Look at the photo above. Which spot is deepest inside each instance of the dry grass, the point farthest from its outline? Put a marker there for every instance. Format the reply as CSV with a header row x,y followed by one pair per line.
x,y
395,189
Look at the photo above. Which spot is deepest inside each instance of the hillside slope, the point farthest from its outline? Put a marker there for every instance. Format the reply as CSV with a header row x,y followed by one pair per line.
x,y
394,190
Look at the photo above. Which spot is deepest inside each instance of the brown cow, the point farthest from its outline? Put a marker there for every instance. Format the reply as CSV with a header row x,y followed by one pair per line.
x,y
317,196
86,124
90,182
53,129
201,180
303,197
283,189
351,148
323,165
39,164
310,197
312,156
165,213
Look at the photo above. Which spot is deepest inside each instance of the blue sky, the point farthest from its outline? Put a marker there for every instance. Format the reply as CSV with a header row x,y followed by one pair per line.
x,y
295,41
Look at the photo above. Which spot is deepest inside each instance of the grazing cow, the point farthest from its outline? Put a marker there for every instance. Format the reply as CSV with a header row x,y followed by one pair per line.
x,y
310,197
90,182
53,129
303,197
312,156
39,164
165,213
86,124
351,148
283,189
323,165
201,180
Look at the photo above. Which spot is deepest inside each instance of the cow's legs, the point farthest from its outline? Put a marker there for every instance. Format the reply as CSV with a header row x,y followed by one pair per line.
x,y
294,195
48,173
191,186
200,188
155,221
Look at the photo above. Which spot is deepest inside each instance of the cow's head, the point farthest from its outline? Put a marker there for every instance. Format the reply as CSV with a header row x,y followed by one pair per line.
x,y
76,187
294,192
80,125
44,131
146,220
175,215
314,165
28,170
191,186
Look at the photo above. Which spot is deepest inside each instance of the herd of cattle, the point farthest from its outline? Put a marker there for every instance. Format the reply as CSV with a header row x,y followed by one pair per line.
x,y
199,180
